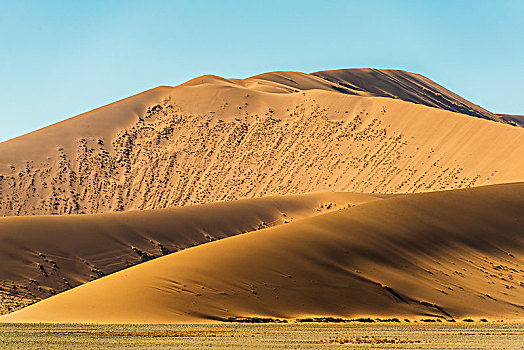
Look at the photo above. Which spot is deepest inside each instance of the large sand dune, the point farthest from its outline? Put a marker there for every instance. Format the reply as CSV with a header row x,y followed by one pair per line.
x,y
213,139
445,254
43,255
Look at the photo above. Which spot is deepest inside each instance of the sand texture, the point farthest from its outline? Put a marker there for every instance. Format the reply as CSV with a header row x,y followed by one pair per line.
x,y
444,254
214,139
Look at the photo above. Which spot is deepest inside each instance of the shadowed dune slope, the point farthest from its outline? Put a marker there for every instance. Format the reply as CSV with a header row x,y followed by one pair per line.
x,y
517,120
214,139
444,254
44,255
396,84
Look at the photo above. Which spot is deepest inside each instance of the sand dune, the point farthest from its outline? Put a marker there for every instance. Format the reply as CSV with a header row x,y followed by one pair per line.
x,y
444,254
456,253
214,139
45,255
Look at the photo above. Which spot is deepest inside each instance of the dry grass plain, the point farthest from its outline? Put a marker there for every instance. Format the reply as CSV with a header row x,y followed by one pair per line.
x,y
476,335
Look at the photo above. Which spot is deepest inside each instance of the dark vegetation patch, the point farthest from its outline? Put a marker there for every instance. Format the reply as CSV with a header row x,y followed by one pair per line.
x,y
345,320
249,319
143,256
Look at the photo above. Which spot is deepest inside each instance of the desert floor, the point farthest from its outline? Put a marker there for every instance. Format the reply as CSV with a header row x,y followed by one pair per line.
x,y
476,335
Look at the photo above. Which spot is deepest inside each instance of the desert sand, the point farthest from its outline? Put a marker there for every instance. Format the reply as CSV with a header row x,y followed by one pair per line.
x,y
45,255
375,131
348,193
445,254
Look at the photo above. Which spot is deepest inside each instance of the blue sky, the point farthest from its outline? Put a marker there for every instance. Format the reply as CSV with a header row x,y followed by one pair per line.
x,y
61,58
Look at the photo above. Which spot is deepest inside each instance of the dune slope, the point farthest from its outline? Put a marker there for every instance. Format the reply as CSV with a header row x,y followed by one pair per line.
x,y
214,139
44,255
444,254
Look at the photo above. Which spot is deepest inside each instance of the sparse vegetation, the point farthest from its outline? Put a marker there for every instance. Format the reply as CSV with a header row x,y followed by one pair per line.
x,y
369,340
344,320
249,319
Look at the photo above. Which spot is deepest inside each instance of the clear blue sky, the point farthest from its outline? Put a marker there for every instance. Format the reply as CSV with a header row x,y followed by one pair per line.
x,y
62,58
